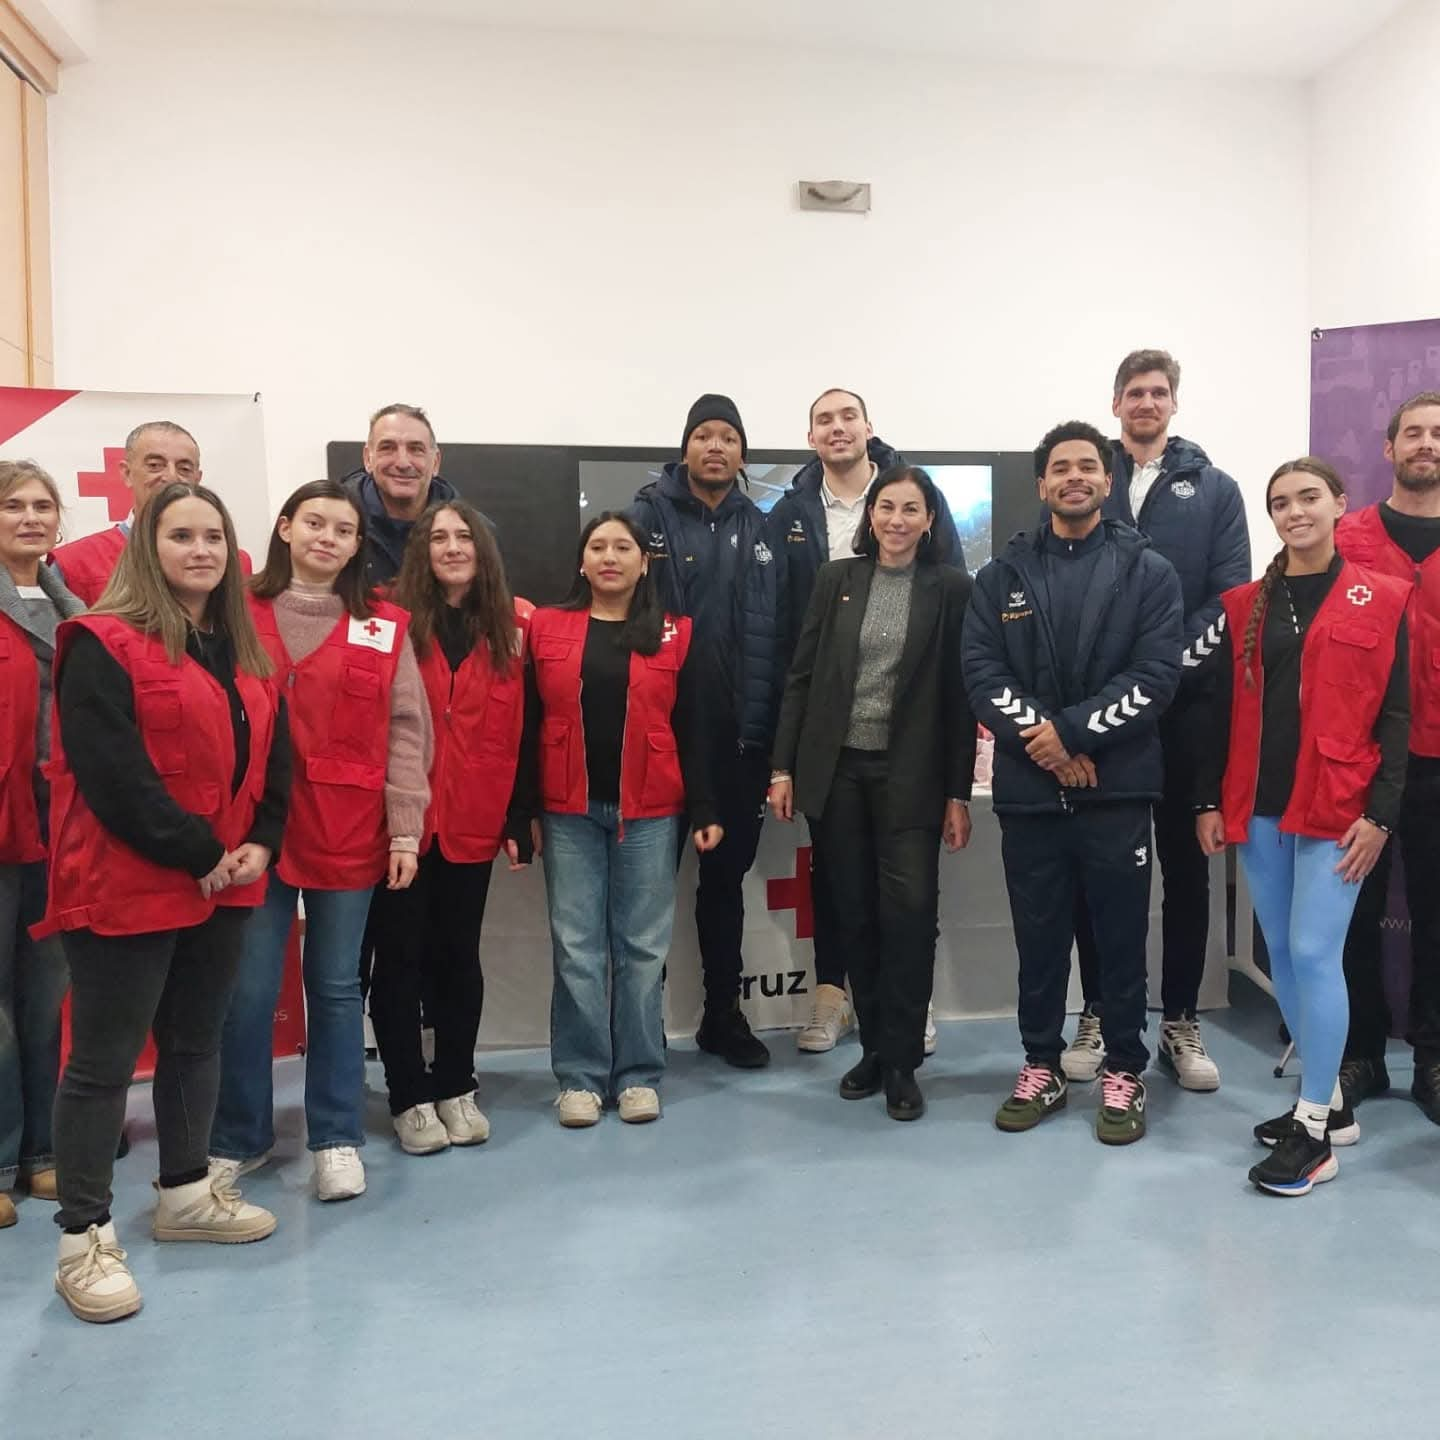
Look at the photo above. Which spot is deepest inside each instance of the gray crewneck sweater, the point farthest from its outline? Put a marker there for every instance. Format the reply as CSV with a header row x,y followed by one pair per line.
x,y
882,641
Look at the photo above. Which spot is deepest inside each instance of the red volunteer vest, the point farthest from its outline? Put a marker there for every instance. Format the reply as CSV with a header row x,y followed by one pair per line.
x,y
339,711
19,704
1345,666
650,783
478,718
99,883
1362,537
88,563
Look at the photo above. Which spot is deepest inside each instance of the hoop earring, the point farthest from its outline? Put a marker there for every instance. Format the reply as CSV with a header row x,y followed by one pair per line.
x,y
926,538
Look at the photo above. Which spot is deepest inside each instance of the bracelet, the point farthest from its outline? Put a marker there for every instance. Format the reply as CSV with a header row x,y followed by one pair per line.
x,y
1377,824
779,775
957,800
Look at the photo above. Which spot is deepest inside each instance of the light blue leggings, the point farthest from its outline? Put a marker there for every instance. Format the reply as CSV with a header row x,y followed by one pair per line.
x,y
1304,910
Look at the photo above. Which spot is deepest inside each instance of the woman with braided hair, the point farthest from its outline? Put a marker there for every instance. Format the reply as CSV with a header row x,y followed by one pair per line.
x,y
1304,773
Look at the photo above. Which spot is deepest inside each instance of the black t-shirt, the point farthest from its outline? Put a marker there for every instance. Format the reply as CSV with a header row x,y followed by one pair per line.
x,y
453,634
604,692
1417,535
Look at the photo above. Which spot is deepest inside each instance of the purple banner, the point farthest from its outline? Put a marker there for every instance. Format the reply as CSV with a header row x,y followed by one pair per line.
x,y
1359,375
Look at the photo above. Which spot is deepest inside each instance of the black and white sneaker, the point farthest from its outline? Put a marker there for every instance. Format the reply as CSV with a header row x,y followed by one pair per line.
x,y
1296,1165
1340,1129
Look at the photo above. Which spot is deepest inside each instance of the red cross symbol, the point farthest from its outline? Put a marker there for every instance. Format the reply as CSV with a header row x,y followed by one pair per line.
x,y
371,628
108,485
1359,594
793,893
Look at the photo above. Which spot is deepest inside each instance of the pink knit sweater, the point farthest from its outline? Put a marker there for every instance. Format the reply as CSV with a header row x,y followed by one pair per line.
x,y
305,615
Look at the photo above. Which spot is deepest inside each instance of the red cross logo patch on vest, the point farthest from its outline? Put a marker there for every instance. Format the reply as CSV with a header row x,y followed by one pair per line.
x,y
373,633
1359,594
670,631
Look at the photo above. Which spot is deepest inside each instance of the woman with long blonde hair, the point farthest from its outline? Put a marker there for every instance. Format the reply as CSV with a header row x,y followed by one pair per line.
x,y
170,774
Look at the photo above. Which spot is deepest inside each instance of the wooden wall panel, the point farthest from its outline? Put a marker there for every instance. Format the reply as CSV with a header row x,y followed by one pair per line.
x,y
37,218
14,318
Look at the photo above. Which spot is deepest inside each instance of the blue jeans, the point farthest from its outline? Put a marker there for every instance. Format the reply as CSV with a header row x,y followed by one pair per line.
x,y
612,907
334,1027
1304,911
33,980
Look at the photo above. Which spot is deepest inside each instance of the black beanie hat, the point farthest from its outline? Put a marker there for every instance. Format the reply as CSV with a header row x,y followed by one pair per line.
x,y
713,407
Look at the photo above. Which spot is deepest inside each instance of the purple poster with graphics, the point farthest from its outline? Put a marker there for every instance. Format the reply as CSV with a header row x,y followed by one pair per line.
x,y
1359,375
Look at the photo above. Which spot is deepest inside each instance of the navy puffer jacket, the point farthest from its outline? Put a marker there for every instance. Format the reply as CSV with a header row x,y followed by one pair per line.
x,y
717,567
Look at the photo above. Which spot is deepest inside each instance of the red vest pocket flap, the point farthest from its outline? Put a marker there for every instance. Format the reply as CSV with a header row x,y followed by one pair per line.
x,y
1361,635
661,739
1348,752
553,647
667,657
330,770
361,682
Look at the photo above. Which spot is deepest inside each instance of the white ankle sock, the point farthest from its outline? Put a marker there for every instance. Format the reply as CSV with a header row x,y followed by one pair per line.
x,y
1337,1099
1313,1117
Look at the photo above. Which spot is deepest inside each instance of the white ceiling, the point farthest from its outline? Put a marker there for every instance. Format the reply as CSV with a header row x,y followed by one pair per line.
x,y
1283,38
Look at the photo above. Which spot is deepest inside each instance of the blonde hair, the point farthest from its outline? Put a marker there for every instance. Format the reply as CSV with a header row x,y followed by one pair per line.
x,y
139,593
14,473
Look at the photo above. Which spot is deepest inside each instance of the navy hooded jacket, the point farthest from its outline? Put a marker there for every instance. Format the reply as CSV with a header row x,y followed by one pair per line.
x,y
385,537
716,567
1195,518
1104,700
801,545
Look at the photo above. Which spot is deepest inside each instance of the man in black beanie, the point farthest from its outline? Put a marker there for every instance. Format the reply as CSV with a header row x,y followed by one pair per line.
x,y
710,561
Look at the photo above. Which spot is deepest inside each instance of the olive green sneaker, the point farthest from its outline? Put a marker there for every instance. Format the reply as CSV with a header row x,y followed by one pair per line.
x,y
1040,1091
1121,1120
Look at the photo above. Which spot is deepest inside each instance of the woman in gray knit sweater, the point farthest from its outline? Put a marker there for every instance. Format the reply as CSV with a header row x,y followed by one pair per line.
x,y
876,747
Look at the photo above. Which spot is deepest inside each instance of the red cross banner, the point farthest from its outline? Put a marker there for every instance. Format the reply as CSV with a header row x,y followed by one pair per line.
x,y
79,437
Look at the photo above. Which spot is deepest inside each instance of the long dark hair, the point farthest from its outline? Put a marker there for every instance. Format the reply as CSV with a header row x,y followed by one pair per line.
x,y
139,593
1305,465
865,541
487,607
350,583
641,631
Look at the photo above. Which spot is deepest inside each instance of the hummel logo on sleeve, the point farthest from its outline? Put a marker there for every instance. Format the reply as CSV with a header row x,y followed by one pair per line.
x,y
1203,645
1111,717
1009,703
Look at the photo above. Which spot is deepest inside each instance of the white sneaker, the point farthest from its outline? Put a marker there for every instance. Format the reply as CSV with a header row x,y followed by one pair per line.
x,y
210,1209
1182,1049
1085,1054
932,1035
638,1104
579,1108
92,1277
339,1175
464,1121
231,1170
420,1130
830,1018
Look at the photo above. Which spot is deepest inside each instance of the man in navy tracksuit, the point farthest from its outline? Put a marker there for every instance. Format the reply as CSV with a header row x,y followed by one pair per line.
x,y
1071,653
1195,518
709,555
815,521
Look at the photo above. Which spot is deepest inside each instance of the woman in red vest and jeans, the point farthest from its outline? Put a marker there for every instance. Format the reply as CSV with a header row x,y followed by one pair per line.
x,y
169,768
361,738
33,980
622,761
1305,773
469,638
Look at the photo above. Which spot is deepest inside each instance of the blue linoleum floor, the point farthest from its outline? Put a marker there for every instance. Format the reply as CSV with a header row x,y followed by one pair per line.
x,y
769,1260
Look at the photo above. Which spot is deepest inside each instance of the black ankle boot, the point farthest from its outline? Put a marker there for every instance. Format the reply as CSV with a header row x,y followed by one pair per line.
x,y
724,1031
863,1079
903,1100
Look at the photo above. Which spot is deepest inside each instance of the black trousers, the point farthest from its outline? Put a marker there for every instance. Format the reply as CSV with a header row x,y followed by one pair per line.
x,y
829,959
1184,876
427,944
1418,836
740,781
883,887
1103,852
175,984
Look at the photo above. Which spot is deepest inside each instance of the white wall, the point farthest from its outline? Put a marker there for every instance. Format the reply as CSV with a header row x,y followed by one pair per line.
x,y
1375,221
561,239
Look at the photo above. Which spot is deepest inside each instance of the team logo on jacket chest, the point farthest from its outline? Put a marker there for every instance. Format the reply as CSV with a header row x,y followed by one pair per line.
x,y
1183,490
1017,609
796,534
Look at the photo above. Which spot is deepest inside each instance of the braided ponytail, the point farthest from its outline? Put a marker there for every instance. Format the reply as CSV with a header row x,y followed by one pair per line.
x,y
1273,571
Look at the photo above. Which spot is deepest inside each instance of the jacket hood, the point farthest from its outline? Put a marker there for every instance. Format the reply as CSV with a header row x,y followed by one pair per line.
x,y
811,473
1182,457
362,482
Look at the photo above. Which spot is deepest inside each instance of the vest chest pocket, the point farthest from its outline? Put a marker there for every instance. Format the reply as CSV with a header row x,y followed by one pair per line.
x,y
353,720
663,782
159,713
